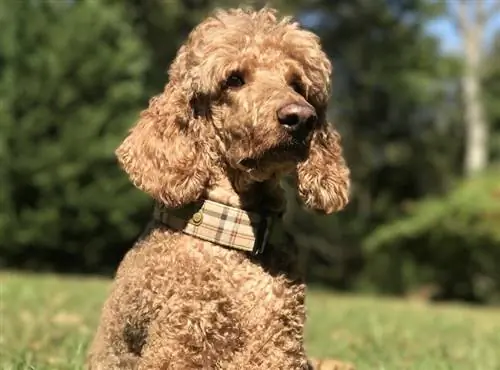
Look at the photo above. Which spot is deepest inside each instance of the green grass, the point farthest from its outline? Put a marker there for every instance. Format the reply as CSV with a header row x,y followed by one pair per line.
x,y
48,321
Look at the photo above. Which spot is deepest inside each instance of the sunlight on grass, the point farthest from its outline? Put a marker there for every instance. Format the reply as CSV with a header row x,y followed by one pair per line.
x,y
390,334
48,321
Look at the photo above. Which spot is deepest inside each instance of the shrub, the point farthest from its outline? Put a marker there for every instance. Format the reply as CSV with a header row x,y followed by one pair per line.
x,y
452,242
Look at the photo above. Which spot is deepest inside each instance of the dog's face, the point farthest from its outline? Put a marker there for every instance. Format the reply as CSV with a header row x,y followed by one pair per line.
x,y
262,84
249,92
263,115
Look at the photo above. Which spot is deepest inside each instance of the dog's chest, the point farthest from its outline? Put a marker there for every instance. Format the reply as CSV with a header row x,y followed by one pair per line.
x,y
266,291
224,295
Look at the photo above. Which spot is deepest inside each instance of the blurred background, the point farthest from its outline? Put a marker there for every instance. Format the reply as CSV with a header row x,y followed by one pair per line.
x,y
416,97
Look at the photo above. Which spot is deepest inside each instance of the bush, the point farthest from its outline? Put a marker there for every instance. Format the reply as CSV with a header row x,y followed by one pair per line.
x,y
451,242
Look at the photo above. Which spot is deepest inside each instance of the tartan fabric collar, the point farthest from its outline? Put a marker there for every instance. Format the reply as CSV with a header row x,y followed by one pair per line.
x,y
220,224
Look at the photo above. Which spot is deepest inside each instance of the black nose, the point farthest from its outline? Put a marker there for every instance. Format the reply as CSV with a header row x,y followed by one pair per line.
x,y
297,116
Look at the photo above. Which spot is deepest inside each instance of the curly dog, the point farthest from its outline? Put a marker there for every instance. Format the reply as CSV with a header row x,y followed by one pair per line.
x,y
213,281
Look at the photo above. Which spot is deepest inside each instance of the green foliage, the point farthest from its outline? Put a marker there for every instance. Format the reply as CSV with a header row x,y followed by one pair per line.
x,y
455,238
491,83
71,83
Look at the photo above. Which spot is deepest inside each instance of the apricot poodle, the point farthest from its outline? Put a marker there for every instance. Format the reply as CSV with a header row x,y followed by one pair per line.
x,y
213,281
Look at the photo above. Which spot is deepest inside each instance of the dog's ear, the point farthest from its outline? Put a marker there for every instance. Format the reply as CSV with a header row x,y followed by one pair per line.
x,y
163,154
323,178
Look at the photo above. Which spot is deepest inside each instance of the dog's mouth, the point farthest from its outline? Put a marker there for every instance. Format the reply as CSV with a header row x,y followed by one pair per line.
x,y
289,148
286,152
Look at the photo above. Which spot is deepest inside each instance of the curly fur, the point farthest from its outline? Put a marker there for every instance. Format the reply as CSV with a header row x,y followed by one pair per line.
x,y
182,303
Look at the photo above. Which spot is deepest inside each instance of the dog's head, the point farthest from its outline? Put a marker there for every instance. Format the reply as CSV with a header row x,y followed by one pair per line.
x,y
247,92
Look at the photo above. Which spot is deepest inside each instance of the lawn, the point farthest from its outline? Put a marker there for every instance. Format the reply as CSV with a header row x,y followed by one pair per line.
x,y
48,321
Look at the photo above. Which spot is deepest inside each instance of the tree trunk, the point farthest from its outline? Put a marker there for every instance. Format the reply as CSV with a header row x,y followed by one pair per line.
x,y
471,23
476,127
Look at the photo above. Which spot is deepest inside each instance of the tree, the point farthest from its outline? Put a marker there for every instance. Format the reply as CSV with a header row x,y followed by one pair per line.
x,y
451,241
471,18
71,83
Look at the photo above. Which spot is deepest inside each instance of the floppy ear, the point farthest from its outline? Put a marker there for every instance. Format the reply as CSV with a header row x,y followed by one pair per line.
x,y
162,153
323,178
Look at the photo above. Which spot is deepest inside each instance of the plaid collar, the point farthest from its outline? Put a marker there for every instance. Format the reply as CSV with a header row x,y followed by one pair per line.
x,y
220,224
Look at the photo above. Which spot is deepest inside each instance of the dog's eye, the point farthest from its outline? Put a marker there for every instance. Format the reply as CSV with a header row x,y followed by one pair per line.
x,y
297,86
235,80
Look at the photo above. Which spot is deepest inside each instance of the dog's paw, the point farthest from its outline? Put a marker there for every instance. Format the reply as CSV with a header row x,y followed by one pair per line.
x,y
329,364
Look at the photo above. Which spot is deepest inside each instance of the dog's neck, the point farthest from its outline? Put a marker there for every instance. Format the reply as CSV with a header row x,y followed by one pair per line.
x,y
235,214
240,191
